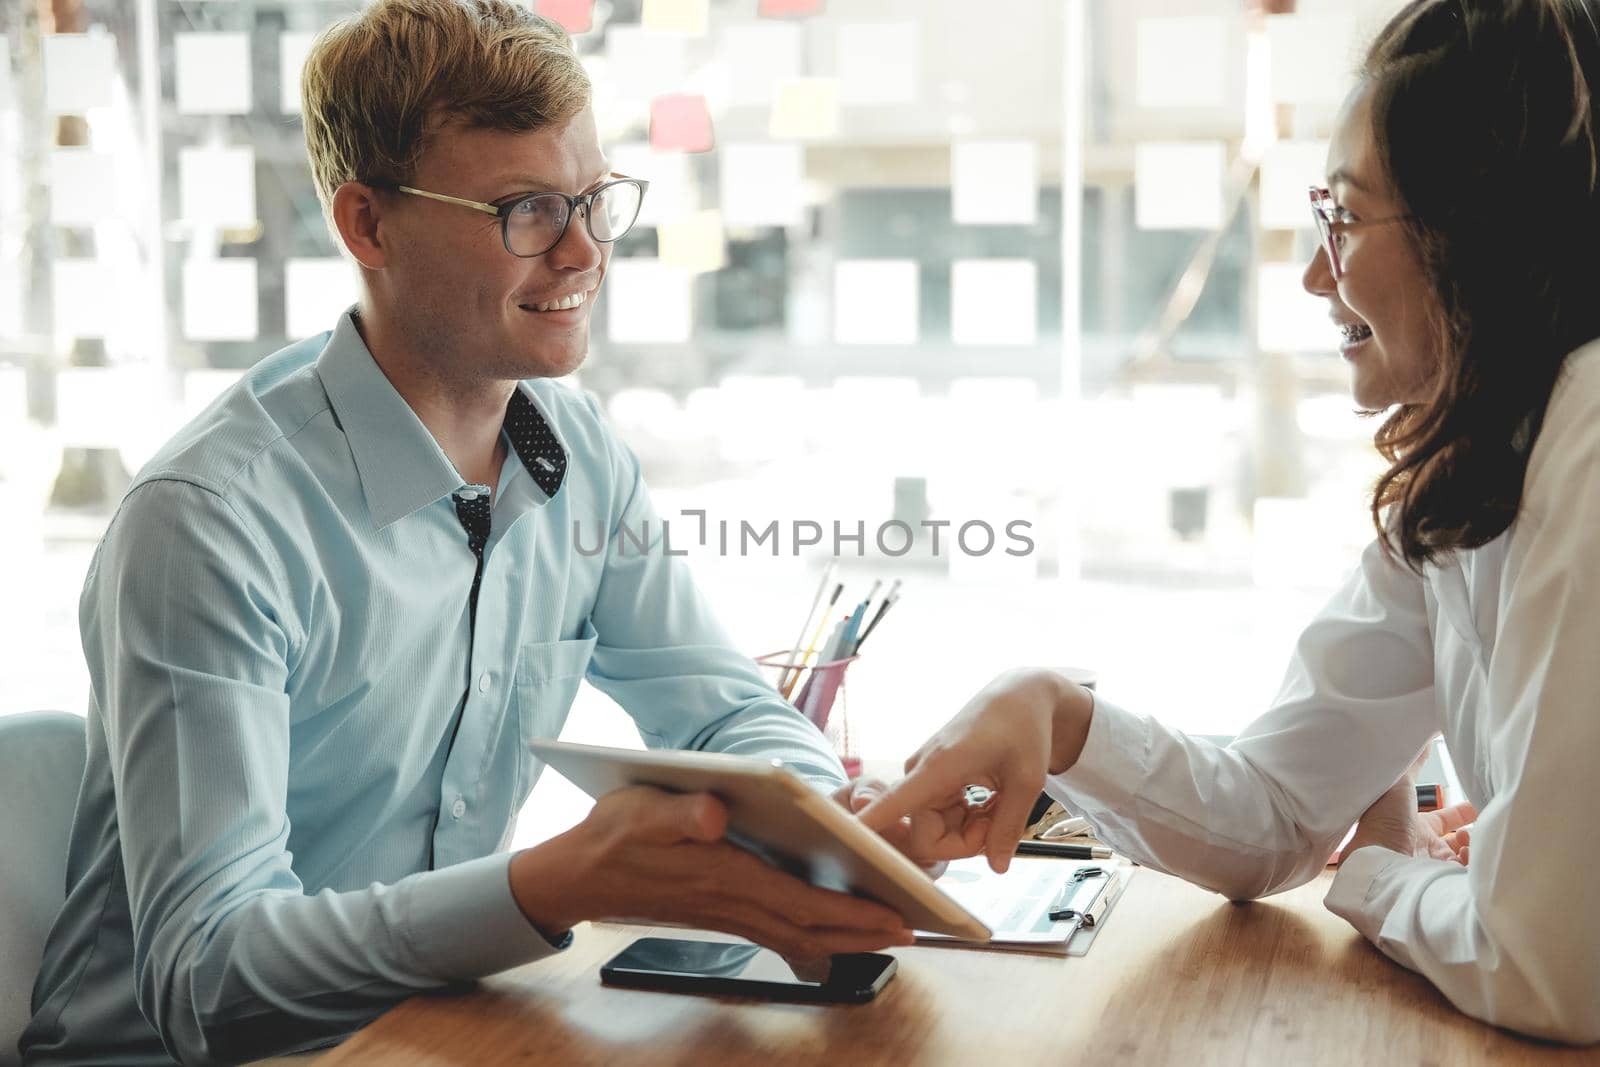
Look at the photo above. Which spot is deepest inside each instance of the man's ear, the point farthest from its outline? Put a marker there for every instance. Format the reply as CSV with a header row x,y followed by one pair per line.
x,y
358,214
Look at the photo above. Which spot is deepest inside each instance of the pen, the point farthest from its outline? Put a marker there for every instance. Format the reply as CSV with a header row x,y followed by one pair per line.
x,y
888,602
1069,852
784,683
815,634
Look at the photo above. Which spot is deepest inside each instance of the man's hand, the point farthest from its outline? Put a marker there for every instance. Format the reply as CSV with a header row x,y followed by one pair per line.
x,y
644,855
1020,727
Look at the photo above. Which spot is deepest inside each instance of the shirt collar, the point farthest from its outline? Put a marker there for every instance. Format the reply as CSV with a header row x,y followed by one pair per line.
x,y
401,466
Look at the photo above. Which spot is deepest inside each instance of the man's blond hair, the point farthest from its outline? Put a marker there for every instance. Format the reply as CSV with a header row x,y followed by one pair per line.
x,y
378,83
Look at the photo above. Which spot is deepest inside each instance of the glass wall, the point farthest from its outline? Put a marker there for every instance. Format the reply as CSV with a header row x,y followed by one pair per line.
x,y
909,271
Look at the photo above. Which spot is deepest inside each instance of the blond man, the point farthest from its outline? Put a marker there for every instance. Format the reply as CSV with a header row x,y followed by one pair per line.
x,y
330,613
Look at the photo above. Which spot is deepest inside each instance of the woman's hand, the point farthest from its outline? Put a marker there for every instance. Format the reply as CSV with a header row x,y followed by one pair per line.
x,y
1393,822
1020,727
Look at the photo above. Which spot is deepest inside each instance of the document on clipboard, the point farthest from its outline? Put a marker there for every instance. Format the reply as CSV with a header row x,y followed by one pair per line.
x,y
1039,905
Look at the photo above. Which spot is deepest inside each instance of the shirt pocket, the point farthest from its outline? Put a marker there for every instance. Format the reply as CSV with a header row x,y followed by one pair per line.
x,y
547,679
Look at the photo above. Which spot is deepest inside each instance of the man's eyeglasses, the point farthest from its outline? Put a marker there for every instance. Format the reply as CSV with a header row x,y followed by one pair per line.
x,y
534,224
1333,222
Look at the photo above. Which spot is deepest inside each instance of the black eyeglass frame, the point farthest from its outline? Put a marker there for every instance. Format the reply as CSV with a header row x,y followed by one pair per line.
x,y
504,211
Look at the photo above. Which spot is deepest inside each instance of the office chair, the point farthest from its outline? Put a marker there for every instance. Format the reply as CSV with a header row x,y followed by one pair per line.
x,y
41,766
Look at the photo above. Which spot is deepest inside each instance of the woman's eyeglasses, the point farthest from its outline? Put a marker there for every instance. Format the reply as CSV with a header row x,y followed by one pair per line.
x,y
1333,222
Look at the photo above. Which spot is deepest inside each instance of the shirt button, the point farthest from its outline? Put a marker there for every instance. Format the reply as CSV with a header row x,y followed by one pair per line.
x,y
483,682
458,809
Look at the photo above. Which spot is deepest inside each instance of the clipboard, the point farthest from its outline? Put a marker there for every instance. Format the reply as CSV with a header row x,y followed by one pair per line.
x,y
1039,905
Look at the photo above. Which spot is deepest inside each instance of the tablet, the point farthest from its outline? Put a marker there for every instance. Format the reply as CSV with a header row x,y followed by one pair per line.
x,y
775,814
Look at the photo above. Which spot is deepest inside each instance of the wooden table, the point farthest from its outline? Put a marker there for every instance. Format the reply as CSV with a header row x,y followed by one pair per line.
x,y
1178,975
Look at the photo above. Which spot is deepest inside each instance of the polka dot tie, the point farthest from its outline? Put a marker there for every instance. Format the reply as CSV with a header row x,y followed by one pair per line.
x,y
540,452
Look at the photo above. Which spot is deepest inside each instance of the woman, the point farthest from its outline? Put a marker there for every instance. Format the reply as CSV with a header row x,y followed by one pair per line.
x,y
1461,261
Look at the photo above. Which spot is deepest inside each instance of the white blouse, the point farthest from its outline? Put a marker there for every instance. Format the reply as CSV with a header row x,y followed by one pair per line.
x,y
1498,649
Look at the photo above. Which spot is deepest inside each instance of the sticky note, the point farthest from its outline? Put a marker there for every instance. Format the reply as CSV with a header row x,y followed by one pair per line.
x,y
316,293
676,16
219,300
648,302
84,297
681,122
994,301
1289,319
805,109
217,186
773,9
673,192
1179,61
762,184
994,182
213,75
575,16
1313,57
875,302
878,62
643,63
759,56
1288,169
82,187
293,48
79,69
697,243
1178,185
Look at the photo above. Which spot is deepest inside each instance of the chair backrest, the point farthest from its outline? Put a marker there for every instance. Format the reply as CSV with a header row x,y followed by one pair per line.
x,y
41,767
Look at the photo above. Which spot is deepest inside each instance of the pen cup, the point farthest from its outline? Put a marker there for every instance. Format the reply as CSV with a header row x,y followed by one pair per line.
x,y
816,690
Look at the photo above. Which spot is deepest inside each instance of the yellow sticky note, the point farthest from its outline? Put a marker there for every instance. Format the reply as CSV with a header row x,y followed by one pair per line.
x,y
678,16
805,109
696,243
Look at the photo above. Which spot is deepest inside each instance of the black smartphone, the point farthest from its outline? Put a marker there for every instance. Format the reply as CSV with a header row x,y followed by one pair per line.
x,y
724,969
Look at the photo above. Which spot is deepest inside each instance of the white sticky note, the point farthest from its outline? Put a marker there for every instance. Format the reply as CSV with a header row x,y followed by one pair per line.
x,y
94,404
994,182
763,184
760,56
994,301
878,62
1179,61
875,302
697,244
316,293
217,186
293,47
85,302
79,69
805,109
676,16
1178,186
1313,57
213,75
673,192
644,63
219,300
1289,319
82,187
648,302
1288,170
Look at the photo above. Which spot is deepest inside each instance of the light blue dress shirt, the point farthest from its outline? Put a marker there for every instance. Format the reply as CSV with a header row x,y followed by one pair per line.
x,y
303,765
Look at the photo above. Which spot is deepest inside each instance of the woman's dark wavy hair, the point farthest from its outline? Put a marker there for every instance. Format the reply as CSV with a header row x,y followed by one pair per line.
x,y
1483,115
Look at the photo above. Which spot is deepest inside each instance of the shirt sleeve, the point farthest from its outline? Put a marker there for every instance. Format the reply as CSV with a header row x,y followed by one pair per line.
x,y
233,959
663,656
1265,813
1514,938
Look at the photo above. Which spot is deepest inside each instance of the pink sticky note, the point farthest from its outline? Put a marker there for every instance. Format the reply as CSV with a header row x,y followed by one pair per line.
x,y
776,9
575,16
680,123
